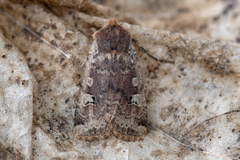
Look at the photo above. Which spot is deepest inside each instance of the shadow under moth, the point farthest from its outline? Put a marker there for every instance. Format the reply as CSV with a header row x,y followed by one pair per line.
x,y
111,99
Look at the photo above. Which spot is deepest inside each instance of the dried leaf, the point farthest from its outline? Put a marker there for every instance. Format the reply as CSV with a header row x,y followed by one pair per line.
x,y
193,104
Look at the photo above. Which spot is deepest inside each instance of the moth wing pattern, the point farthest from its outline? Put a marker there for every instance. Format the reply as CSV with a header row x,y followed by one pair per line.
x,y
112,98
89,120
127,111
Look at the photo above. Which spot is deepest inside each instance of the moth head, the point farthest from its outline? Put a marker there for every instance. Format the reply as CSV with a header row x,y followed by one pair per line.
x,y
111,22
112,38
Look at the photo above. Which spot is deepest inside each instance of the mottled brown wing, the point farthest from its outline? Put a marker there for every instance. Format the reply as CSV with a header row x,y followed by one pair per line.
x,y
126,106
89,121
111,99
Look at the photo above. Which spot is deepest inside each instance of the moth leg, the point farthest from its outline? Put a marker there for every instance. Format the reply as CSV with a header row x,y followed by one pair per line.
x,y
149,55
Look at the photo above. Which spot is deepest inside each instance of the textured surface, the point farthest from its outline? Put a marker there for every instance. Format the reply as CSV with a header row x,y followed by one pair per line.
x,y
16,97
111,99
193,104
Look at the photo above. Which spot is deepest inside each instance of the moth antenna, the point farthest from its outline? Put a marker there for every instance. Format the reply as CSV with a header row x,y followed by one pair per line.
x,y
149,55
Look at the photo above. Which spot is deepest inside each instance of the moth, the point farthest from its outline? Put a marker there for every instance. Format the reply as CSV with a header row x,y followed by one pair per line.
x,y
111,98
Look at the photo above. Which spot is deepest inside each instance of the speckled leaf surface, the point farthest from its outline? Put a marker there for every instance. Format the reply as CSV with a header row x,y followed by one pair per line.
x,y
193,104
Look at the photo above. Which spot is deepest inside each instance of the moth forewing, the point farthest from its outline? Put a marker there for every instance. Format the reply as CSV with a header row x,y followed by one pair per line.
x,y
111,100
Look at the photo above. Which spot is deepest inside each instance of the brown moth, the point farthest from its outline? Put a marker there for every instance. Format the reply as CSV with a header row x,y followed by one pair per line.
x,y
111,99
